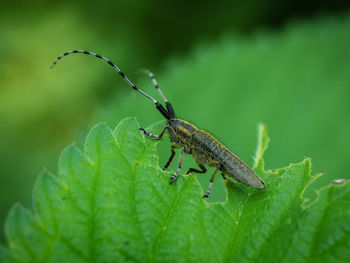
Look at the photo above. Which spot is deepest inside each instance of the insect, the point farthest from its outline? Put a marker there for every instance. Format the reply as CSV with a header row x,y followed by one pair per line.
x,y
205,148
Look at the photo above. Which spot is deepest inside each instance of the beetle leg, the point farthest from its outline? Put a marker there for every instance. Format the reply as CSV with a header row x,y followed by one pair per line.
x,y
171,157
156,137
223,176
210,184
173,178
193,170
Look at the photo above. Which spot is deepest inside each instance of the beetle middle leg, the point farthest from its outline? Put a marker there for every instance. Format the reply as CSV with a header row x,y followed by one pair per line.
x,y
211,184
166,166
173,178
223,176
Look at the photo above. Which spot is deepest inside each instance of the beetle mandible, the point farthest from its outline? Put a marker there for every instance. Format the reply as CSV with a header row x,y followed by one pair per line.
x,y
204,147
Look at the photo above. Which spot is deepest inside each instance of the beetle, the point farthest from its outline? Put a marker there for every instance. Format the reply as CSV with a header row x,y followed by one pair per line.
x,y
205,148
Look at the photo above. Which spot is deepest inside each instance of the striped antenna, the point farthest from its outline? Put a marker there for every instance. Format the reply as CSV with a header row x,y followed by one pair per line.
x,y
155,83
132,85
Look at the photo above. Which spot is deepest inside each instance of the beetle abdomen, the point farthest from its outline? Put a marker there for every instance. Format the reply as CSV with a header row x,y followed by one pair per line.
x,y
238,169
207,148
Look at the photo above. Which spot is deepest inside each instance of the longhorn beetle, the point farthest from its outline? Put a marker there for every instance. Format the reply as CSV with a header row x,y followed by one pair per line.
x,y
205,148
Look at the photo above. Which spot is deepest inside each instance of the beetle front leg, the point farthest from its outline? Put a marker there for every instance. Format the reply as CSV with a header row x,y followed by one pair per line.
x,y
156,137
173,178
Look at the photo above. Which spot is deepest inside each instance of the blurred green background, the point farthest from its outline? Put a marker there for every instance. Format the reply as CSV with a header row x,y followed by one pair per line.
x,y
225,66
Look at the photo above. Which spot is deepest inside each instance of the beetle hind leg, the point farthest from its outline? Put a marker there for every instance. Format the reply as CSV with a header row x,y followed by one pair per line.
x,y
193,170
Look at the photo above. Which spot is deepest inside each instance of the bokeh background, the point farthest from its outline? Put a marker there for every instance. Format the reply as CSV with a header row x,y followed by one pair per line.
x,y
225,66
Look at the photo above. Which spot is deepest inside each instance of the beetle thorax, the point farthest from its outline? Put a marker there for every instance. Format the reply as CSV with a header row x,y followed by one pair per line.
x,y
183,130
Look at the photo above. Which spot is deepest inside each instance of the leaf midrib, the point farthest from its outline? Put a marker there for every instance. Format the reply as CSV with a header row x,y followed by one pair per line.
x,y
233,234
164,227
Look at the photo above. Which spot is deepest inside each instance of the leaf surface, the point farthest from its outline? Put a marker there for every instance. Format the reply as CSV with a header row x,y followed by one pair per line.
x,y
113,203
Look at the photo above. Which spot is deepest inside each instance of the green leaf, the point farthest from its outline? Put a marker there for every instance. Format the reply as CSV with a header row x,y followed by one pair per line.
x,y
113,203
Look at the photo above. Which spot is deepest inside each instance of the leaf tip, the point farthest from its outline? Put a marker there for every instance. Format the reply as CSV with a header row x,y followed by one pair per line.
x,y
62,159
127,122
96,131
263,142
15,217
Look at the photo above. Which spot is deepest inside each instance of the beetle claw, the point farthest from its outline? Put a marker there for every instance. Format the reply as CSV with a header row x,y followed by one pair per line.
x,y
172,179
